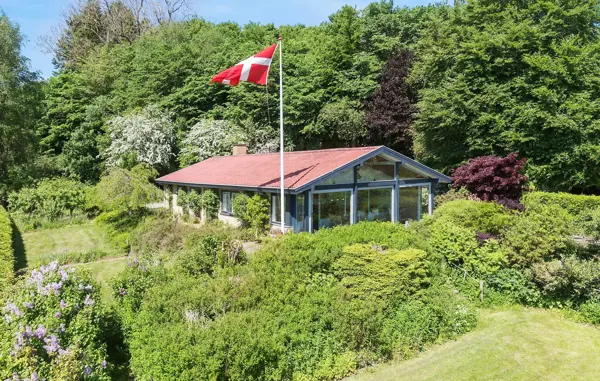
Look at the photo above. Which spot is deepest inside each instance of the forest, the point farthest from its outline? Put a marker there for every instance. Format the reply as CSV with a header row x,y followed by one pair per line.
x,y
439,83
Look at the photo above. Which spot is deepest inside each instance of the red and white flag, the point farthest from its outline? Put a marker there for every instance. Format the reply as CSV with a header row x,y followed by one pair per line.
x,y
254,69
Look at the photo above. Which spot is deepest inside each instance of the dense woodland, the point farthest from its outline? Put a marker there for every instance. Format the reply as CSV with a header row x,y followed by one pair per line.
x,y
441,83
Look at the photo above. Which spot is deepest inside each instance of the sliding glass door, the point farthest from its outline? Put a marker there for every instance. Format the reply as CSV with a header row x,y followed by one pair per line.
x,y
374,205
330,209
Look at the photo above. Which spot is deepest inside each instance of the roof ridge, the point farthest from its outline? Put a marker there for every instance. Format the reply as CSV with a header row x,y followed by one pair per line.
x,y
298,152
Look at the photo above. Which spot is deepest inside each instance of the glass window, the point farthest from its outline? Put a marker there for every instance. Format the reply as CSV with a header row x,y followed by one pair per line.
x,y
331,209
374,205
300,212
409,203
226,198
344,177
405,173
376,169
275,208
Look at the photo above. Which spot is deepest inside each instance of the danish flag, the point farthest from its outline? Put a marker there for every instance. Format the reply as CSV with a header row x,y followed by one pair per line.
x,y
254,69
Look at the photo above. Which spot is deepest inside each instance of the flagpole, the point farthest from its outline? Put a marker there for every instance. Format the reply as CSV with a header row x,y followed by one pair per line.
x,y
281,173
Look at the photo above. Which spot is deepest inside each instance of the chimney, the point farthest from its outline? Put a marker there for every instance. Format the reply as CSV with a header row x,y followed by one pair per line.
x,y
240,149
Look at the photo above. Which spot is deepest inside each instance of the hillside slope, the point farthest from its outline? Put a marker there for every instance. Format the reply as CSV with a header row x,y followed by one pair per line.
x,y
520,344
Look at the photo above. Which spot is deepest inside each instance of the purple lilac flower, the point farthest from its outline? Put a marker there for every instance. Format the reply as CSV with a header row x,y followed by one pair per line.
x,y
87,370
63,304
122,291
58,315
88,301
28,332
12,308
40,332
15,377
52,344
62,328
64,276
104,364
56,287
28,305
19,341
8,318
62,352
34,376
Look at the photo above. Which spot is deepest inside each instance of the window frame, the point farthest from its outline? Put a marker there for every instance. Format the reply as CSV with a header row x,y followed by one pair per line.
x,y
224,211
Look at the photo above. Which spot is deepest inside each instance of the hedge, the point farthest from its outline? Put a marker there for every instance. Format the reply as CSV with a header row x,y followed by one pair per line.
x,y
574,204
7,261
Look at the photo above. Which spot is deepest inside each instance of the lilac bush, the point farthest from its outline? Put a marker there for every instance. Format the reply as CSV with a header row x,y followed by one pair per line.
x,y
50,328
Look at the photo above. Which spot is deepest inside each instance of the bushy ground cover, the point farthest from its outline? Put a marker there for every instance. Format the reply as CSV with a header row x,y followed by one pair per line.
x,y
7,259
305,307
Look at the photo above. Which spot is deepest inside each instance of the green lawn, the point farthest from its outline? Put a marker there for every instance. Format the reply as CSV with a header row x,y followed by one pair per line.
x,y
73,238
76,238
519,344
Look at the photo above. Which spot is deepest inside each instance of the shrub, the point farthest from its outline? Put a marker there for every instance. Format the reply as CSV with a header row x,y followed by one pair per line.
x,y
190,201
210,203
127,190
492,178
516,285
239,206
479,216
51,200
576,205
7,259
368,270
51,328
589,221
202,254
590,312
258,213
536,235
119,224
451,195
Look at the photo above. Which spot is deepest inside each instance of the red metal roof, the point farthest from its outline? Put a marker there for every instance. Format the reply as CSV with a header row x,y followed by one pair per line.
x,y
262,170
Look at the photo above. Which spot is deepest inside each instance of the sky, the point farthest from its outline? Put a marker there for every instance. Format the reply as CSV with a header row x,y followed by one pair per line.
x,y
37,17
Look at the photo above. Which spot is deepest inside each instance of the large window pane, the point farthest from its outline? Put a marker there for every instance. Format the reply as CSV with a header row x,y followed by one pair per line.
x,y
344,177
406,173
376,169
226,198
374,205
409,203
331,209
275,208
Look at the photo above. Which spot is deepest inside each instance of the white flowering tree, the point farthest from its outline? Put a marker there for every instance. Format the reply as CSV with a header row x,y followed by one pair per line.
x,y
148,136
209,138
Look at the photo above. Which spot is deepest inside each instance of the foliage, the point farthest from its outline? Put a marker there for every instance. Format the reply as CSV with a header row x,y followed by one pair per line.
x,y
591,312
53,328
127,190
203,254
535,236
50,199
451,195
20,109
581,208
258,213
7,258
206,139
147,136
390,274
492,178
290,313
190,201
210,204
512,76
239,205
479,216
390,109
70,257
119,225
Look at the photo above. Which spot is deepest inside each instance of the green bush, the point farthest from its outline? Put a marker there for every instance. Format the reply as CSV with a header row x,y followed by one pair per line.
x,y
190,201
57,201
306,307
53,328
590,312
64,258
239,206
478,216
536,235
258,214
515,285
119,224
368,270
210,204
574,204
7,259
451,195
202,254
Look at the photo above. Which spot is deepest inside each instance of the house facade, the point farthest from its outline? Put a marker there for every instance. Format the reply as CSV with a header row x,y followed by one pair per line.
x,y
323,188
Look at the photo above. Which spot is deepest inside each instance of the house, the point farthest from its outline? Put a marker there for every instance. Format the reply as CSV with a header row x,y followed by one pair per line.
x,y
323,188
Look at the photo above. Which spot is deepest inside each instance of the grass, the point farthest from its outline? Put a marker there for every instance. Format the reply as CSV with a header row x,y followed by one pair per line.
x,y
517,344
69,239
75,241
